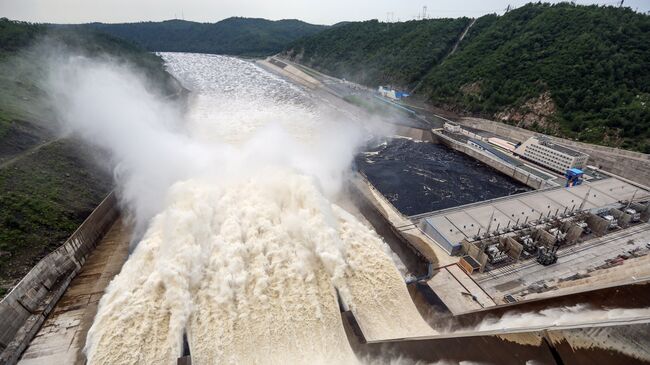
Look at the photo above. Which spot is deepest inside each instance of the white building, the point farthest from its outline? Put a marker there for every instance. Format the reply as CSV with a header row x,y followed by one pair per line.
x,y
387,93
390,93
542,151
452,127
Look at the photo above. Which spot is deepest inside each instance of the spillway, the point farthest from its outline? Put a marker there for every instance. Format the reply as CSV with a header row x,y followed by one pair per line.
x,y
250,265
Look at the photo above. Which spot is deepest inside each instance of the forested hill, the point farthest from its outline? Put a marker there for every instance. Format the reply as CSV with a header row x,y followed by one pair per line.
x,y
375,53
574,71
233,36
48,184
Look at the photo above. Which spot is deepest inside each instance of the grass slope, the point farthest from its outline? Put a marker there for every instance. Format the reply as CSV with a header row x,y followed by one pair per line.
x,y
47,186
43,199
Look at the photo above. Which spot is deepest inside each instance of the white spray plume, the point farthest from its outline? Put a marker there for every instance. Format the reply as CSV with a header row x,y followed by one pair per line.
x,y
242,238
107,104
559,316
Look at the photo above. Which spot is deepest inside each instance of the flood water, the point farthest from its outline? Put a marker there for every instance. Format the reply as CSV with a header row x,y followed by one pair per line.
x,y
245,252
418,177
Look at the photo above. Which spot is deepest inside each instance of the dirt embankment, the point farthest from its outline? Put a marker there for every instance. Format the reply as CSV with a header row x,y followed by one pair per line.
x,y
535,114
44,195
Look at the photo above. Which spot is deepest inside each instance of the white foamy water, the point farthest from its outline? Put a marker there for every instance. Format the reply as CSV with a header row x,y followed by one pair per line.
x,y
560,316
247,251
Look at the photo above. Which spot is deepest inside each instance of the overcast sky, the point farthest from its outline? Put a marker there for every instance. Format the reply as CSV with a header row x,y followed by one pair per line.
x,y
313,11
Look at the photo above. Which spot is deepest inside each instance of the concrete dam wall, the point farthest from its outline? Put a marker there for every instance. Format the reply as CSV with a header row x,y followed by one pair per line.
x,y
518,174
25,308
636,166
611,343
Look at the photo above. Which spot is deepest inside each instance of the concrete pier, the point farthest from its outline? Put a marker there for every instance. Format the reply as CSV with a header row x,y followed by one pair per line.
x,y
613,342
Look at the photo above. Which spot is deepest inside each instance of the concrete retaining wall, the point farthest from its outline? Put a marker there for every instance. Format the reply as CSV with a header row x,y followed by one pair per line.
x,y
573,232
623,218
401,130
518,174
415,133
513,248
276,66
644,209
543,237
636,165
24,309
614,342
476,253
597,224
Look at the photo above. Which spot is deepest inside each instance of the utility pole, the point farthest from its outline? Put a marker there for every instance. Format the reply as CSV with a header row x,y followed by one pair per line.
x,y
584,200
487,232
621,4
631,199
508,8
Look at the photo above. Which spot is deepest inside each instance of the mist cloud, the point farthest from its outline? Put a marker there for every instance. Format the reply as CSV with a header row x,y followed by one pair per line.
x,y
153,145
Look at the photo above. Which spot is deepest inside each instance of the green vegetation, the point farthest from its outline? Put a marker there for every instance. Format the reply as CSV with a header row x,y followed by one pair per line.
x,y
233,36
21,63
43,199
574,71
48,186
375,53
592,60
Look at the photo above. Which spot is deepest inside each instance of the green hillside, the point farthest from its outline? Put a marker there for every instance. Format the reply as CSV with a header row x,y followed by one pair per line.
x,y
573,71
47,185
591,61
375,53
233,36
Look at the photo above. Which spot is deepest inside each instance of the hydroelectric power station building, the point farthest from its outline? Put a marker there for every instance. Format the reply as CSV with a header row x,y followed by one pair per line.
x,y
541,150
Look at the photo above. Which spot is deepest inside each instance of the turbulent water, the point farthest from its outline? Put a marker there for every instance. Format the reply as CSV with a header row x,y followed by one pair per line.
x,y
246,257
423,177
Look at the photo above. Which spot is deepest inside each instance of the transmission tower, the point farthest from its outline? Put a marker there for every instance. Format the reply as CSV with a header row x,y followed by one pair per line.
x,y
424,12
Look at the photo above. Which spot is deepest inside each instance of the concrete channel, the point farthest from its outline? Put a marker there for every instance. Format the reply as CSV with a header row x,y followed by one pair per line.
x,y
30,303
614,342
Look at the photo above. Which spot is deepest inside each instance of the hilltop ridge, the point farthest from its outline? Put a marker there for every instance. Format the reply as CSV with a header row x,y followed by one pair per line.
x,y
233,36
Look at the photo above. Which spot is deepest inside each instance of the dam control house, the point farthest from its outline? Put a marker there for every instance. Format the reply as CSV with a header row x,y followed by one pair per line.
x,y
541,150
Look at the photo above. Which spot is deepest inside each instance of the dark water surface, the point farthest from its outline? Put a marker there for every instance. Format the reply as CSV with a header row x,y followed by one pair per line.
x,y
419,177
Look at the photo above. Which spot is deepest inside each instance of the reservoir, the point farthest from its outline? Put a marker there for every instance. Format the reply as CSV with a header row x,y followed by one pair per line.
x,y
419,177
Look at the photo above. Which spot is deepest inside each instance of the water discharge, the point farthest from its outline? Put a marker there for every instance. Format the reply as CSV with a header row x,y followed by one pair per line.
x,y
245,248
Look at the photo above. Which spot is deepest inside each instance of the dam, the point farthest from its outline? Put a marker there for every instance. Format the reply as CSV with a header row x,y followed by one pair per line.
x,y
279,264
